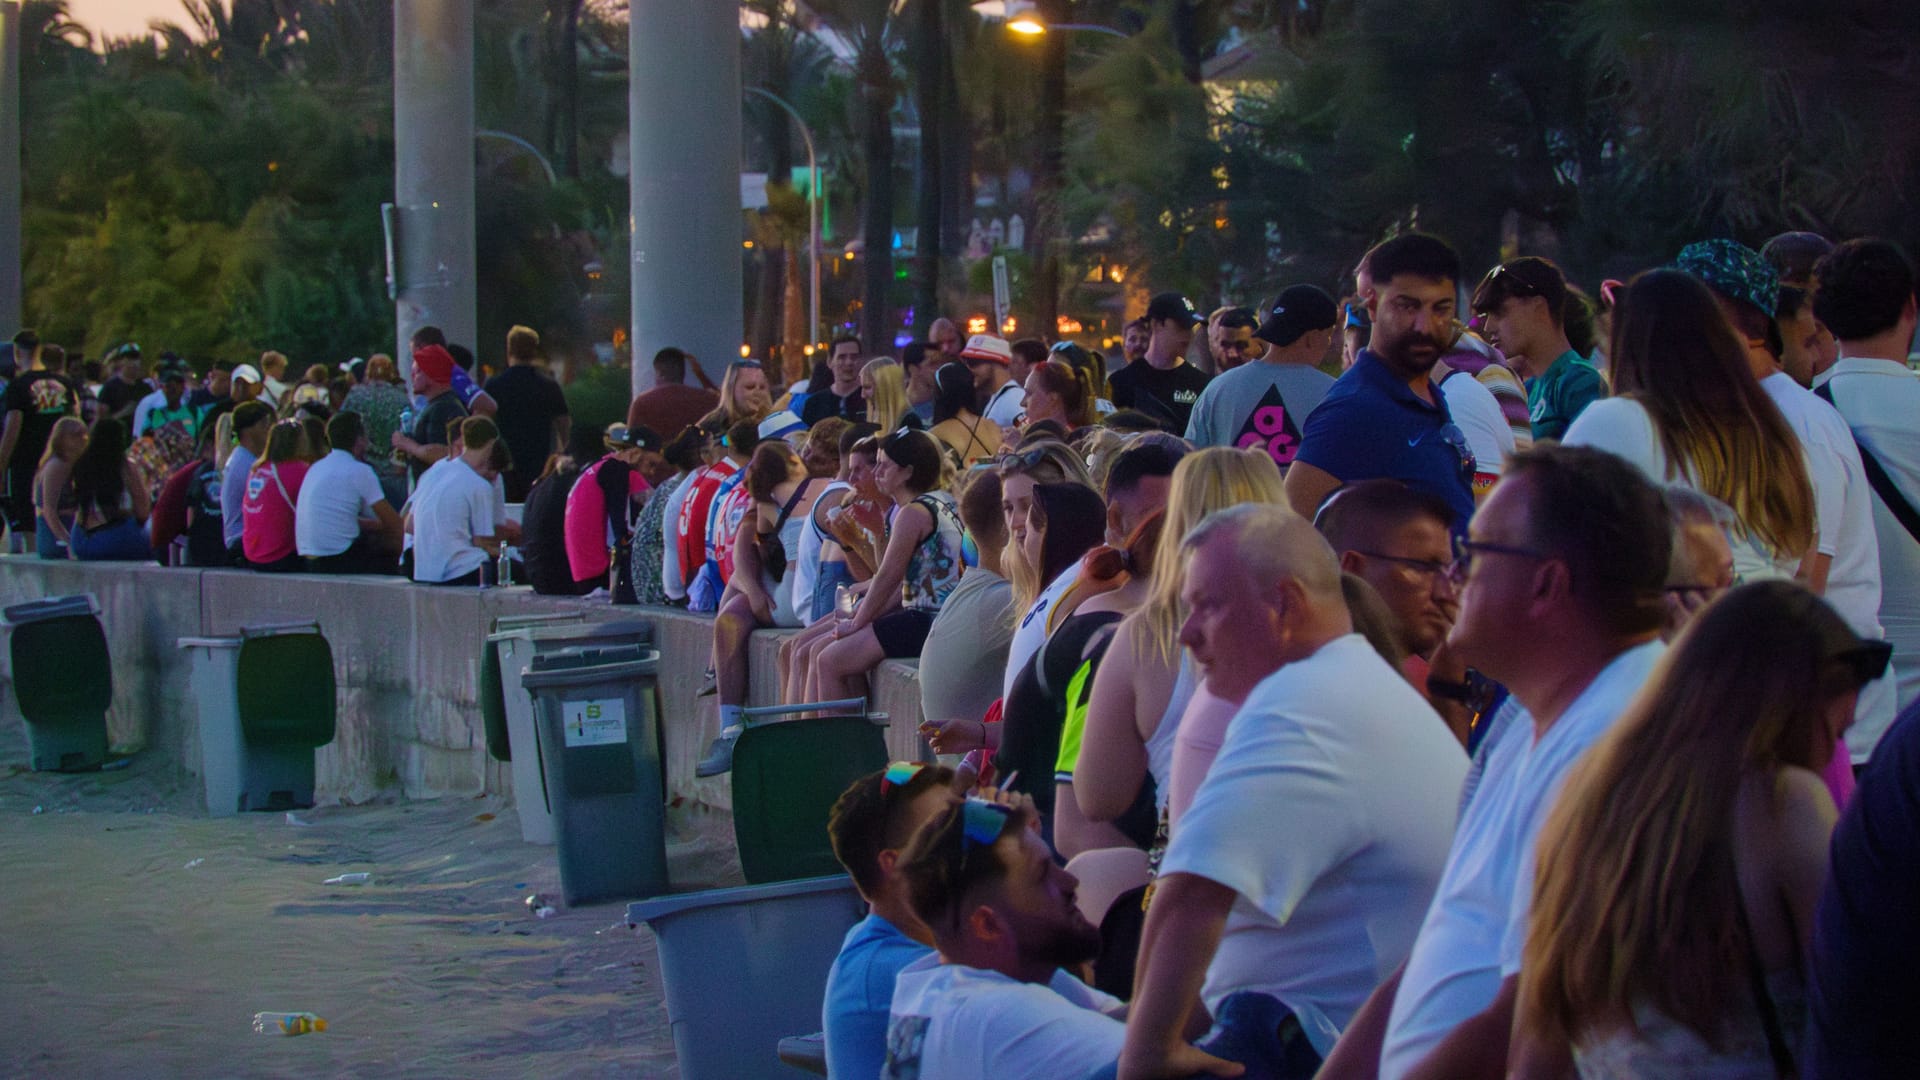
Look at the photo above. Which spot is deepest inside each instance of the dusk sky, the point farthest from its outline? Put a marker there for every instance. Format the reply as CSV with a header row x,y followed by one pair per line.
x,y
121,18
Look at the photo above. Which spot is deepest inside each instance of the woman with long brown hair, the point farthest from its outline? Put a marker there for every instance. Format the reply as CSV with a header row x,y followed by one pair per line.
x,y
1688,410
1672,915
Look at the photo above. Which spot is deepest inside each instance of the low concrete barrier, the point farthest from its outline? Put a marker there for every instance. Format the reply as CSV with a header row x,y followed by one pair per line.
x,y
406,661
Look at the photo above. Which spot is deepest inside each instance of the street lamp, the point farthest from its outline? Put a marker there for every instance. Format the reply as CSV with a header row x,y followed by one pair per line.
x,y
1024,19
813,208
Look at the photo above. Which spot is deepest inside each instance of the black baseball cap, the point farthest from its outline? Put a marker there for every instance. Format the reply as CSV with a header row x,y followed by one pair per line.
x,y
1171,305
1298,309
622,437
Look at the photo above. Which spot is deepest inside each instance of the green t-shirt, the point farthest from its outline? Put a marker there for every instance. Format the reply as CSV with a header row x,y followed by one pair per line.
x,y
1561,393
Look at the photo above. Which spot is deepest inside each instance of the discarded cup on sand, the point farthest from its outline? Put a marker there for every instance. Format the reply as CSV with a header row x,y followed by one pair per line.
x,y
349,879
279,1023
542,906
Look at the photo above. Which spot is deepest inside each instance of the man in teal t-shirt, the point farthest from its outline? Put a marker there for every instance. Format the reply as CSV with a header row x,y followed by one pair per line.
x,y
1523,303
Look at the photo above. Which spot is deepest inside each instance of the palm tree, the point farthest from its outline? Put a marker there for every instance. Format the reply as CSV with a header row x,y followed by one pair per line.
x,y
871,29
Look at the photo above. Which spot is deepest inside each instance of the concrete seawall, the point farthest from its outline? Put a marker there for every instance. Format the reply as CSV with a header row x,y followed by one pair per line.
x,y
406,664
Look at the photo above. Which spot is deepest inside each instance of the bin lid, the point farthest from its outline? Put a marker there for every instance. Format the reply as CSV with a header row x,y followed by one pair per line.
x,y
591,656
643,911
504,623
634,630
52,607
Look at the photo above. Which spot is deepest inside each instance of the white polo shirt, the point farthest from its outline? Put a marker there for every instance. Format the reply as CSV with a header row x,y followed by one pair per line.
x,y
1366,777
1880,401
447,515
339,490
1843,506
1473,932
1006,404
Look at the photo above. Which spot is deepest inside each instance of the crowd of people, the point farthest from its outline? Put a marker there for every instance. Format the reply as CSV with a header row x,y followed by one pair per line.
x,y
1520,700
1537,722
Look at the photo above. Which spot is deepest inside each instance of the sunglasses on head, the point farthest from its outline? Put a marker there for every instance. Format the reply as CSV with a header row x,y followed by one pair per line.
x,y
1868,660
985,822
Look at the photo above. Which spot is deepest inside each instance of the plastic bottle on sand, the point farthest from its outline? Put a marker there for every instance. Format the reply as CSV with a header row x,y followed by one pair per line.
x,y
279,1023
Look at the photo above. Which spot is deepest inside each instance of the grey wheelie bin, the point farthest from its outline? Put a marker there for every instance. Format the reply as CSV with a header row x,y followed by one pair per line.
x,y
507,709
598,719
62,680
266,702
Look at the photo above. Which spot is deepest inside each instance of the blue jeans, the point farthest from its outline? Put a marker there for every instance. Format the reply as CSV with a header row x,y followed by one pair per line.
x,y
118,541
1257,1031
832,575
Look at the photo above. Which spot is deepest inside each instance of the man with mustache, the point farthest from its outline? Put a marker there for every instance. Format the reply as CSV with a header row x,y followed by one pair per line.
x,y
1385,417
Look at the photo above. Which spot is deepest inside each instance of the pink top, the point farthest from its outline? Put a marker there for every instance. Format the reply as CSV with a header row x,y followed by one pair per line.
x,y
266,531
587,539
1839,775
1203,727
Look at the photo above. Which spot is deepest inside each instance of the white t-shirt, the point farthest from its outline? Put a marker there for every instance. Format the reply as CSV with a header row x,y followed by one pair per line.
x,y
952,1022
1477,412
1622,426
1006,404
339,490
670,573
447,514
1474,930
1365,776
155,400
1031,631
1843,502
1880,401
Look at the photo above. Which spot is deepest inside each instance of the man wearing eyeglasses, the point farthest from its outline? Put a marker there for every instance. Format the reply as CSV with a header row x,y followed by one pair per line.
x,y
1305,920
1523,302
1400,541
1385,417
1562,585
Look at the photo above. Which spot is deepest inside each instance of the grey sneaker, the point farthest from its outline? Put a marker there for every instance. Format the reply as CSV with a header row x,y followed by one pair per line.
x,y
719,757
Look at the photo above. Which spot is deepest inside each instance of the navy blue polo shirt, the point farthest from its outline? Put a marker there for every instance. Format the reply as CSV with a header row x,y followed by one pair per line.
x,y
1372,426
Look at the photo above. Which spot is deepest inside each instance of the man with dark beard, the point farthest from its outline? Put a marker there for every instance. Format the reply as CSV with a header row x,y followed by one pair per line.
x,y
995,1000
1385,417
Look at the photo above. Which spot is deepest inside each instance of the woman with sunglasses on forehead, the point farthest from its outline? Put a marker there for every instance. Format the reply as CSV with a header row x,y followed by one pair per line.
x,y
1672,921
920,568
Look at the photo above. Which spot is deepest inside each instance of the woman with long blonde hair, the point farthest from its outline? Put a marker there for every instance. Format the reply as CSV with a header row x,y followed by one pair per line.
x,y
745,394
1047,461
883,385
1144,685
1688,410
54,504
1673,904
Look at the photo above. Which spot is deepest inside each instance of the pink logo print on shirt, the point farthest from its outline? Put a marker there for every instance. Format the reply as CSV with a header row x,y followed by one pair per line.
x,y
1270,429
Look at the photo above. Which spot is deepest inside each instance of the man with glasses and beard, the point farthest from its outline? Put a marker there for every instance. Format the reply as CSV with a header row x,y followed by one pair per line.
x,y
1385,417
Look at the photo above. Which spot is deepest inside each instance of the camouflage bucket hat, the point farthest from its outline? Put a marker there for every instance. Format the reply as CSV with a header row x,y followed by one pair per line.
x,y
1734,270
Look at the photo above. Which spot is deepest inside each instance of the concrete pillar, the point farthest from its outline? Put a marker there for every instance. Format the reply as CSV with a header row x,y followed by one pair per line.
x,y
684,115
12,271
433,170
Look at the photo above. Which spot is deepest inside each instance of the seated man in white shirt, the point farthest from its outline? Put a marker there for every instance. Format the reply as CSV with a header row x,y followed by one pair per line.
x,y
994,1001
452,516
1562,598
342,524
1307,860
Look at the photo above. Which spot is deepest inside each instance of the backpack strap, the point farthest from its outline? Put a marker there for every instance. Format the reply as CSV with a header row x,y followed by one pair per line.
x,y
1877,476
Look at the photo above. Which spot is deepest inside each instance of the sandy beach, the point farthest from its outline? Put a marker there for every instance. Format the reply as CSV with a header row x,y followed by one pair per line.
x,y
141,937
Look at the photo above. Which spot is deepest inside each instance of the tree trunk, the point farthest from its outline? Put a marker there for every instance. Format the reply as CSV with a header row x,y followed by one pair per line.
x,y
1044,240
570,91
794,333
930,56
877,87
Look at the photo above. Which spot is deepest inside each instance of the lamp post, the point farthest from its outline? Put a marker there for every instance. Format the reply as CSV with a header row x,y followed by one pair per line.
x,y
813,210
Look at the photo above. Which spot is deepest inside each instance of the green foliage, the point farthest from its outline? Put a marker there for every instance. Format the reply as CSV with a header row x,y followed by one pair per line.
x,y
600,395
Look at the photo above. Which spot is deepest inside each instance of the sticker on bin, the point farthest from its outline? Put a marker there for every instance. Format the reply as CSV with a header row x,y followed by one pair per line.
x,y
596,723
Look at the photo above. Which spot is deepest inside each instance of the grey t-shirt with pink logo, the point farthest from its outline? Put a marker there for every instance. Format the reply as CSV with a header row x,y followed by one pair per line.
x,y
1258,405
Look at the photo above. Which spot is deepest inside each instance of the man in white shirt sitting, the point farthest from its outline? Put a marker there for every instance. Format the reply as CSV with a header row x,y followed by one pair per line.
x,y
1562,597
1307,860
452,516
994,1001
342,523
